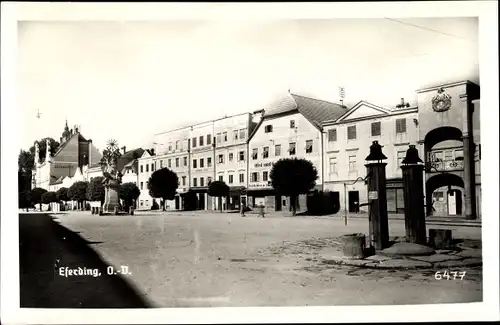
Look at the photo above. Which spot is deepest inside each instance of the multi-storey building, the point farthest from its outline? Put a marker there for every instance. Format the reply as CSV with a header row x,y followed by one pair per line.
x,y
172,150
231,135
445,128
146,164
347,143
291,128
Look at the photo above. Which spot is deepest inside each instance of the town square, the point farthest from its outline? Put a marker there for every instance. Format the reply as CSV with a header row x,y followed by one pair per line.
x,y
252,163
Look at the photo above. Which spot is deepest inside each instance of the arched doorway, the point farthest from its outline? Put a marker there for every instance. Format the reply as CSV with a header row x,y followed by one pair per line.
x,y
438,135
449,190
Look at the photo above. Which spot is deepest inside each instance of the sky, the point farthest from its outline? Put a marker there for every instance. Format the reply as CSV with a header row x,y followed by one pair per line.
x,y
130,80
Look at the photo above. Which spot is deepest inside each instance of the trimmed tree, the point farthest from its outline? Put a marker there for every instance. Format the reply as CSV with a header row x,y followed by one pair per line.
x,y
62,194
218,189
292,177
36,196
48,198
163,184
129,192
95,190
78,192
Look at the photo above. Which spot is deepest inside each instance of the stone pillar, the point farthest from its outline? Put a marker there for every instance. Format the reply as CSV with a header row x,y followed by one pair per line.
x,y
414,209
468,146
379,221
111,200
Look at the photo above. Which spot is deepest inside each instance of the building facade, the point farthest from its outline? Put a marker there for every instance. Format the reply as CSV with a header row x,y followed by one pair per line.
x,y
292,128
347,143
146,166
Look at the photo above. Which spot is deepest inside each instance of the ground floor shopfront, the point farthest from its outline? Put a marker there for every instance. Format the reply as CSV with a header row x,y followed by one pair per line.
x,y
274,202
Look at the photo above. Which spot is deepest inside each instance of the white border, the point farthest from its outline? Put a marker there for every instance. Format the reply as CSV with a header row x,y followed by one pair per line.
x,y
488,26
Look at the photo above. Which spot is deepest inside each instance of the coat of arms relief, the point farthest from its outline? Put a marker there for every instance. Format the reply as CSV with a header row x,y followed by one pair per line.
x,y
441,102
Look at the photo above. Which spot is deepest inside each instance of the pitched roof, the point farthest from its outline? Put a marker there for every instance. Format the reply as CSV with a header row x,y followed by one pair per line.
x,y
64,144
128,157
314,110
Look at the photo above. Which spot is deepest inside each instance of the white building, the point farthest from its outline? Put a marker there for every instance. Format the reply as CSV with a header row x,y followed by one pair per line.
x,y
292,128
146,165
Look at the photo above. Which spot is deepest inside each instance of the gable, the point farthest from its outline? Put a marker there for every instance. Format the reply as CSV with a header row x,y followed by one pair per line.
x,y
363,110
68,152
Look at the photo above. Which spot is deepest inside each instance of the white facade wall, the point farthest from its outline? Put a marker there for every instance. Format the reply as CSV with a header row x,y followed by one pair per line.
x,y
145,170
282,134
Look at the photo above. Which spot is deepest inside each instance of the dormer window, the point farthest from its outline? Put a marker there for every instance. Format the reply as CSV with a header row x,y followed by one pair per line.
x,y
268,129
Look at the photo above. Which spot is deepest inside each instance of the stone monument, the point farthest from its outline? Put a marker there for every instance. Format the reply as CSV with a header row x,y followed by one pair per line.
x,y
112,177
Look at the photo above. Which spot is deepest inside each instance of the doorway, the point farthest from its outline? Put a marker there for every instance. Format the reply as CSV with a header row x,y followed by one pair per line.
x,y
354,201
277,200
455,203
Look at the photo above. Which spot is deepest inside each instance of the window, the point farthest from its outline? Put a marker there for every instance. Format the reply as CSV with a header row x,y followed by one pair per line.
x,y
352,164
193,143
177,145
161,164
209,180
375,129
309,146
183,180
277,150
221,159
142,169
201,140
235,134
194,163
230,179
448,155
255,177
202,164
351,132
209,139
202,181
292,124
176,162
242,134
142,185
231,156
332,135
152,167
401,125
218,137
242,178
333,165
459,154
255,153
170,146
225,136
169,163
221,178
185,161
268,129
242,156
291,149
264,176
265,154
209,162
400,156
147,168
195,182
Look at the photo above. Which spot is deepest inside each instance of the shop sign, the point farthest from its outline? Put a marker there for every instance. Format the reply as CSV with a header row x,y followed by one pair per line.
x,y
268,164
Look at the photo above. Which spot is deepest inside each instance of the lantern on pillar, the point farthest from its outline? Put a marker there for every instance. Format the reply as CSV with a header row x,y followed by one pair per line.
x,y
377,196
413,168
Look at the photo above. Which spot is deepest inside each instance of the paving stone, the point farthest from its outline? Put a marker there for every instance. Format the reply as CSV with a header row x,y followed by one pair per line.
x,y
469,253
436,258
356,262
473,261
444,251
407,249
452,263
378,258
403,264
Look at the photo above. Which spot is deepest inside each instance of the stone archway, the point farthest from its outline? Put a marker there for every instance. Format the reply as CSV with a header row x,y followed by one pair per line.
x,y
438,135
437,181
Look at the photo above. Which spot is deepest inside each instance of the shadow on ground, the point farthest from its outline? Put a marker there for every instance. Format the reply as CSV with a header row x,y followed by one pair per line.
x,y
44,247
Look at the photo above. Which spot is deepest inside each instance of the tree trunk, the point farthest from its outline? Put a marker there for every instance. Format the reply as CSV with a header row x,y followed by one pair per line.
x,y
163,204
40,206
293,202
220,204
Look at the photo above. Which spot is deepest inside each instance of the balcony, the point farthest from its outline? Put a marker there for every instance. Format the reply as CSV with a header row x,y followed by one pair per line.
x,y
445,165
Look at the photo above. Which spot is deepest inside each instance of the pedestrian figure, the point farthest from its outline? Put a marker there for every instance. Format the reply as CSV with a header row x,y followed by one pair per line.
x,y
242,209
261,211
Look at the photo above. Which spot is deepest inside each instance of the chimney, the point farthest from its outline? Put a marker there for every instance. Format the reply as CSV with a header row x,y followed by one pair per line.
x,y
402,102
152,151
90,152
124,149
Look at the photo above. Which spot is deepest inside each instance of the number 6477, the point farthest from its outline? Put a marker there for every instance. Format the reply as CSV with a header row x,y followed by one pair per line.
x,y
449,275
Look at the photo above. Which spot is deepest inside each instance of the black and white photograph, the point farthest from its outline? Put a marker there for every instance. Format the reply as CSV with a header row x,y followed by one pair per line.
x,y
250,155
